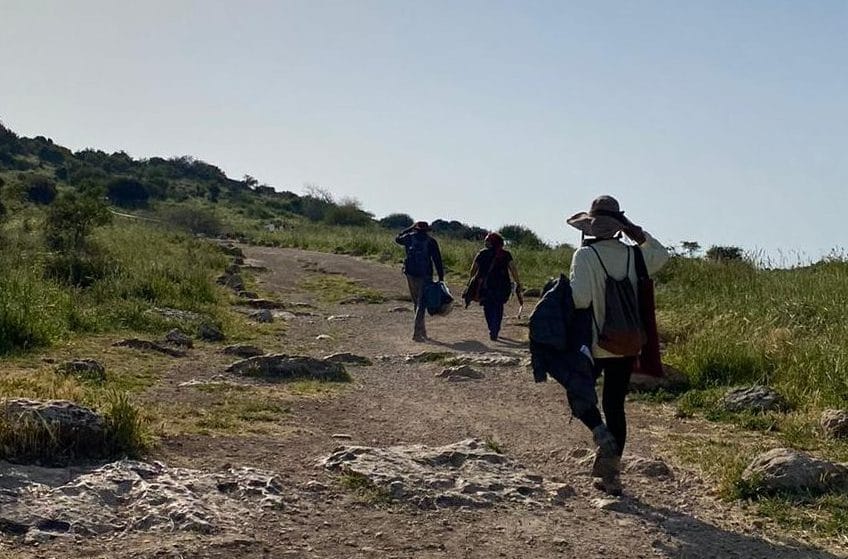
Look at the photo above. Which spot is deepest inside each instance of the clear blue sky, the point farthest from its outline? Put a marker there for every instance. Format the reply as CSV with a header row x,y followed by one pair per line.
x,y
717,121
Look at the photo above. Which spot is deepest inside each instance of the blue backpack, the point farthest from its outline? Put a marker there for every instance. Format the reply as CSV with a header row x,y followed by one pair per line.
x,y
417,263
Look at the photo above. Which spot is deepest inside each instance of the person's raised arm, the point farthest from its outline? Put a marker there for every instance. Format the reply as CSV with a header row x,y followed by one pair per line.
x,y
401,238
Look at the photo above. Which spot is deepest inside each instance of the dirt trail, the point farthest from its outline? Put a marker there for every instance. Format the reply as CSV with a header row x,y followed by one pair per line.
x,y
393,402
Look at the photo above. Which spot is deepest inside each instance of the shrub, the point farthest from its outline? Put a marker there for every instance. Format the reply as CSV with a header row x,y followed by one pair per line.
x,y
724,253
127,192
40,189
347,213
396,221
193,219
522,236
71,220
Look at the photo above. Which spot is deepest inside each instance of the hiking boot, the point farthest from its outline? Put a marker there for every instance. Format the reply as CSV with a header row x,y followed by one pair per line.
x,y
607,462
610,486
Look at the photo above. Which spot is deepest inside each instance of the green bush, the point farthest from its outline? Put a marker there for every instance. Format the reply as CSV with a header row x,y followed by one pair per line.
x,y
194,219
127,192
40,189
396,221
519,235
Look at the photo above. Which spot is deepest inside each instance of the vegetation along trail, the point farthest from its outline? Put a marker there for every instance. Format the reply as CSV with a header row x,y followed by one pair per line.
x,y
197,366
217,421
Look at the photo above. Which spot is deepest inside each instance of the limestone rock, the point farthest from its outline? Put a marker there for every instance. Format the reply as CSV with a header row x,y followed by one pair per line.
x,y
146,345
264,316
785,470
176,314
427,357
179,338
87,369
243,350
348,358
68,427
210,333
264,304
463,372
340,317
463,474
648,467
254,265
233,281
129,496
484,360
286,367
835,423
671,380
753,398
231,250
323,337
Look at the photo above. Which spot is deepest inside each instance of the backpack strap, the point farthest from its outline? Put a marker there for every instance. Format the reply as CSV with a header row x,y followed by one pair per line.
x,y
602,262
641,268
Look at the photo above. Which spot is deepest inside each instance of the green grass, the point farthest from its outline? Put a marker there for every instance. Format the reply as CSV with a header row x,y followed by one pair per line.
x,y
364,488
337,288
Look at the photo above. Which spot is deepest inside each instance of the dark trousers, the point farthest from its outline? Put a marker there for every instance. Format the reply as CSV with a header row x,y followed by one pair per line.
x,y
416,292
616,371
494,312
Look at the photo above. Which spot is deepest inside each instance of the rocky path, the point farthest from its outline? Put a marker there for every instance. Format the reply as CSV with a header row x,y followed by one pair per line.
x,y
403,461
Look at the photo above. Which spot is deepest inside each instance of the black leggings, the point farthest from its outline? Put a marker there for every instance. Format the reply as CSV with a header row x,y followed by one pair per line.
x,y
616,371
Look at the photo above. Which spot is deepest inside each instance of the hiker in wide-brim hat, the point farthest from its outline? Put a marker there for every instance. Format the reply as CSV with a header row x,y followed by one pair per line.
x,y
604,220
603,270
423,257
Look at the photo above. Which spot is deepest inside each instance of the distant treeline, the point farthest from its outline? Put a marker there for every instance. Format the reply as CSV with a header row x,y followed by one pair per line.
x,y
34,168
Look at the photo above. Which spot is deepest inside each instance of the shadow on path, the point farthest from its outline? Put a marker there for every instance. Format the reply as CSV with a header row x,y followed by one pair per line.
x,y
695,538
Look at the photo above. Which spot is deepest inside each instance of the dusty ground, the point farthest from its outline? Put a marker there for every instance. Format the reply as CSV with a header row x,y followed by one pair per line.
x,y
393,402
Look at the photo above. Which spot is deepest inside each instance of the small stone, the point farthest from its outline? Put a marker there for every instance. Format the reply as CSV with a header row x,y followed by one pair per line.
x,y
604,503
87,369
264,304
348,359
316,486
323,337
179,338
344,436
400,309
753,399
146,345
463,372
285,367
210,333
835,423
652,468
340,317
243,350
784,470
263,316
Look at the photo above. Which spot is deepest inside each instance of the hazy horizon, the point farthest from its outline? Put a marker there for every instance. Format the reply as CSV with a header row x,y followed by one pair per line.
x,y
722,124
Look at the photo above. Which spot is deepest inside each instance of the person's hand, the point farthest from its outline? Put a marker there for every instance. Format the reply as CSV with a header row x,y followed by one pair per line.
x,y
634,232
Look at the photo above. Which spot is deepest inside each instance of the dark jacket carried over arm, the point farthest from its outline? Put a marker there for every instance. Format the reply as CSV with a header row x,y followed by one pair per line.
x,y
558,334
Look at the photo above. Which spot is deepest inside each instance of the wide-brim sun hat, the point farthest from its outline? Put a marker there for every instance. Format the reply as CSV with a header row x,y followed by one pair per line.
x,y
604,219
421,226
